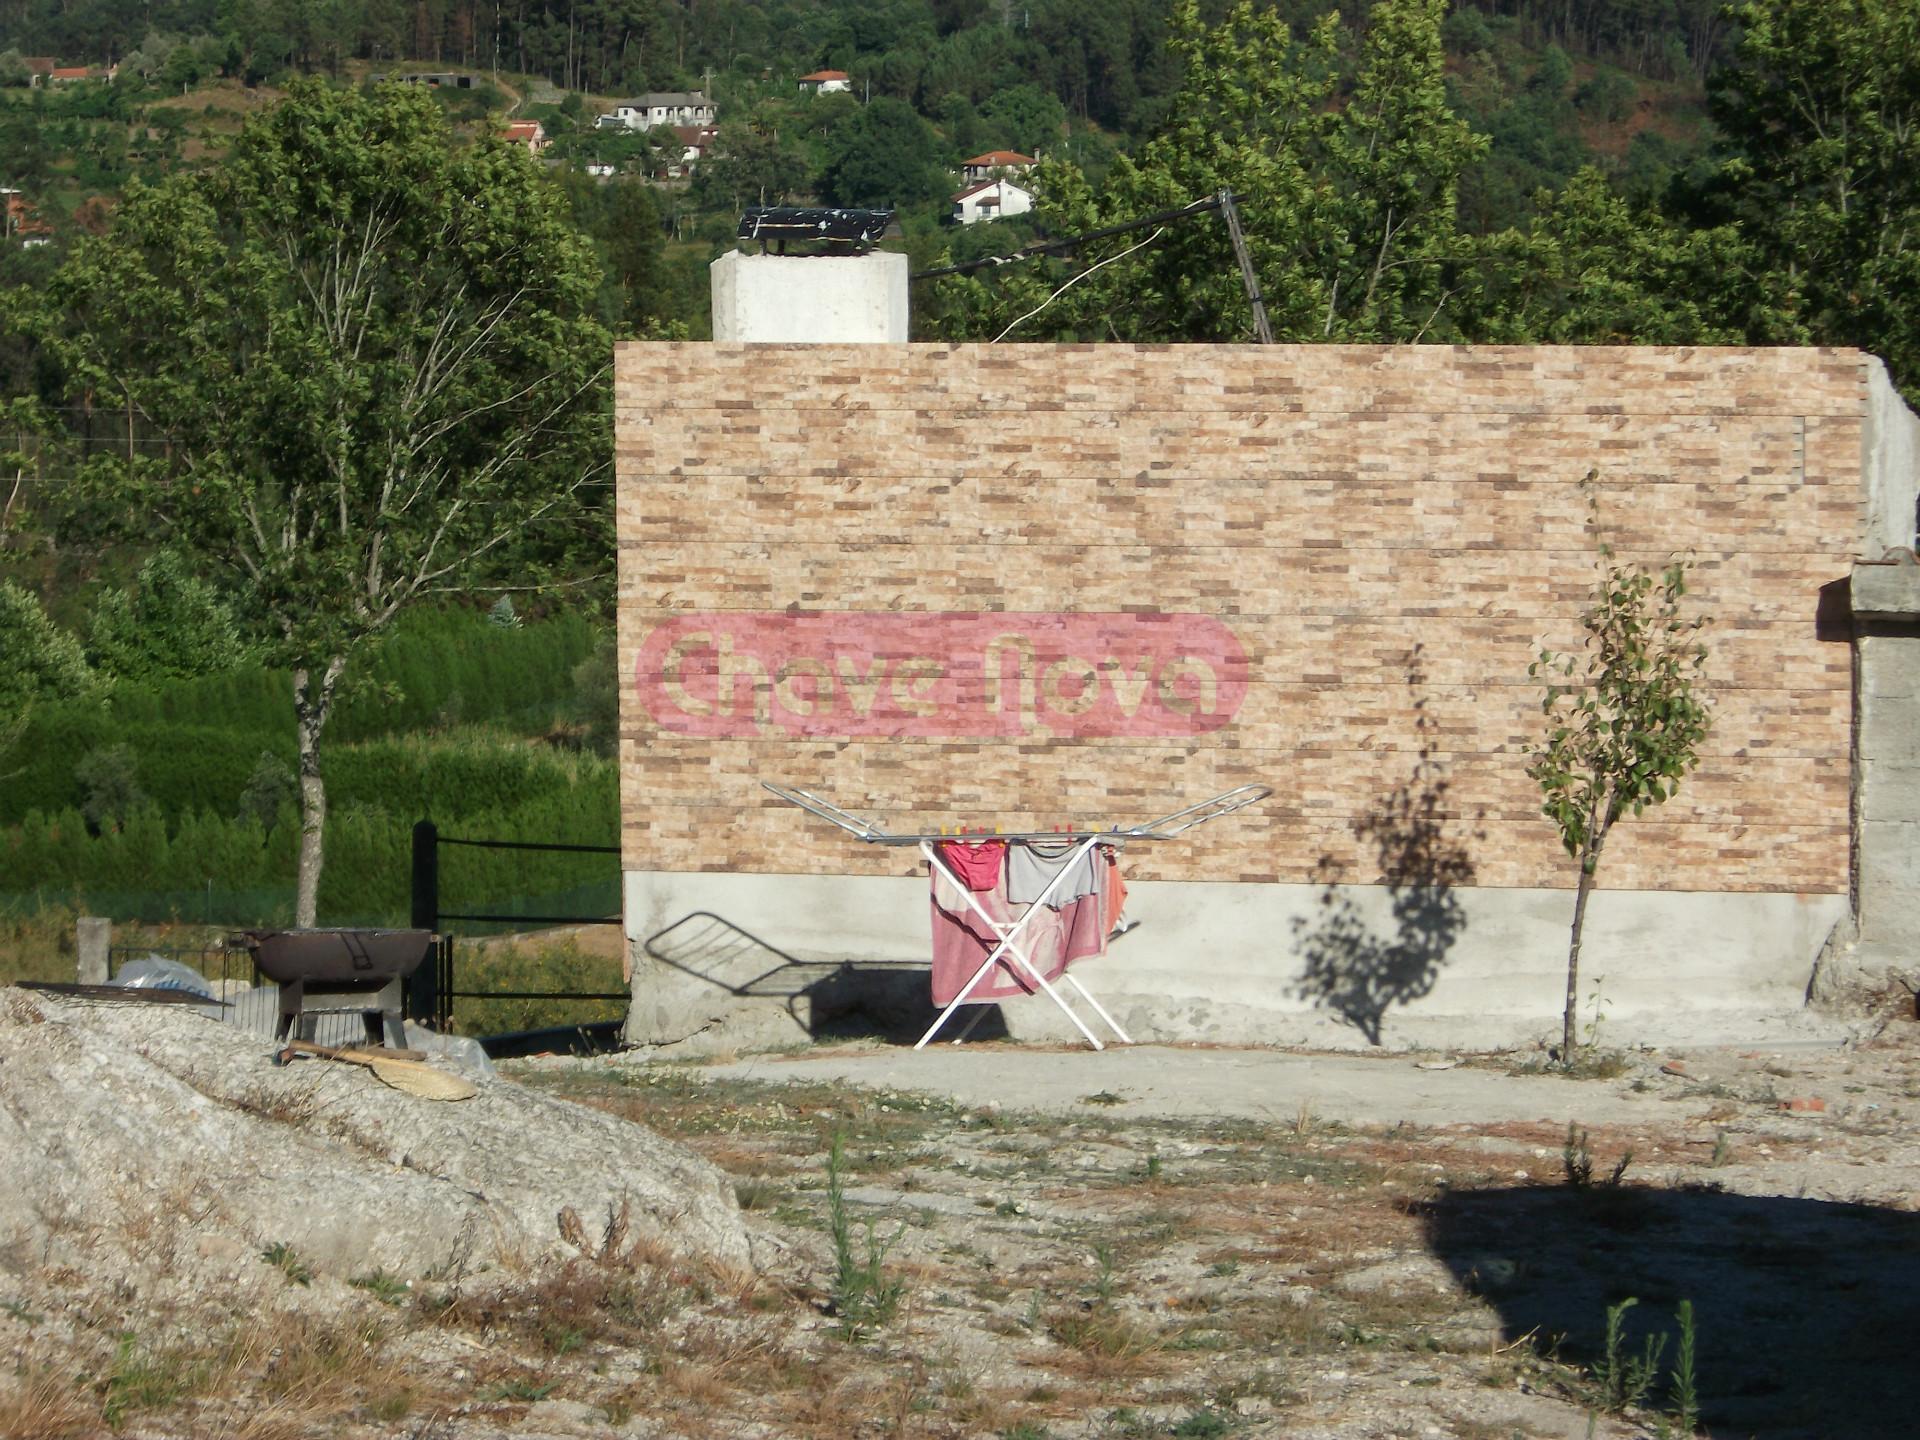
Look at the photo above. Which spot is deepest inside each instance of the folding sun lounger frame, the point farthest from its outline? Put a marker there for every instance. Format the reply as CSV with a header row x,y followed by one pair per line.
x,y
1009,933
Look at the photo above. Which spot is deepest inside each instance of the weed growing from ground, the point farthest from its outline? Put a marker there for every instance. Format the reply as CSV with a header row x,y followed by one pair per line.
x,y
143,1379
46,1405
1576,1157
284,1258
387,1289
757,1192
1684,1393
1201,1425
1103,1285
1623,1379
864,1296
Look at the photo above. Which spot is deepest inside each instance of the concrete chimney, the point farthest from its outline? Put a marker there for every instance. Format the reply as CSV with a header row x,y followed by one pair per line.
x,y
811,299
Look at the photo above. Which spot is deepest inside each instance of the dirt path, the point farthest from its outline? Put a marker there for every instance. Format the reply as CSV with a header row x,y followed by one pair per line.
x,y
1206,1083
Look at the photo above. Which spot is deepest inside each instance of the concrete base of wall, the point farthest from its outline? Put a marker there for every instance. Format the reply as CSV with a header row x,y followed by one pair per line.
x,y
728,961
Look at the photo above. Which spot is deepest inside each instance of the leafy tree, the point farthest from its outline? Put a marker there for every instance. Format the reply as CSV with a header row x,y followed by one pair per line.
x,y
372,356
1625,722
109,782
270,791
750,165
171,625
1592,269
1820,110
886,155
38,660
1024,118
1348,207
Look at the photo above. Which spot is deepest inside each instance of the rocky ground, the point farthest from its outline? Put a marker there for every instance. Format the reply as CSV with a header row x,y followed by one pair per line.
x,y
1079,1259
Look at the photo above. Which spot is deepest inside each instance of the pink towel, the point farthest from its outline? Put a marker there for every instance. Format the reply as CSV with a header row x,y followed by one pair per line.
x,y
962,941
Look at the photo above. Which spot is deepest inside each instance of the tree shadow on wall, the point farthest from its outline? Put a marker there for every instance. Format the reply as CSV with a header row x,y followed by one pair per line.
x,y
1349,964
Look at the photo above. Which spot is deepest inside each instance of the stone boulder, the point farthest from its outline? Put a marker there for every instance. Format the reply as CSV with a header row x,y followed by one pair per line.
x,y
108,1107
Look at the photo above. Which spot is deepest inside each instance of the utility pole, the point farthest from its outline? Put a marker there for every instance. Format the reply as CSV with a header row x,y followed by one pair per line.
x,y
1262,331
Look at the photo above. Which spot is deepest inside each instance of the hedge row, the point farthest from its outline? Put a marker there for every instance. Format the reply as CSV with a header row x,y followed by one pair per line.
x,y
155,870
197,742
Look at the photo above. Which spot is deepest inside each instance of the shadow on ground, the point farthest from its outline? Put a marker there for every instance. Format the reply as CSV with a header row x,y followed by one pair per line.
x,y
1349,963
829,999
1806,1310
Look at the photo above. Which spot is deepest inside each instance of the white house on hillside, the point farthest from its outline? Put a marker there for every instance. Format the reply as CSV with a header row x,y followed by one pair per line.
x,y
989,200
825,82
660,107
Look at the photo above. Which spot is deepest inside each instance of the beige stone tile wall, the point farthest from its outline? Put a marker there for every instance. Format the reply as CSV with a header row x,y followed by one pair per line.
x,y
1389,533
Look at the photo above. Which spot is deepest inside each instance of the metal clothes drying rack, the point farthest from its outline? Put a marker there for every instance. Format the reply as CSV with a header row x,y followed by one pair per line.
x,y
1010,932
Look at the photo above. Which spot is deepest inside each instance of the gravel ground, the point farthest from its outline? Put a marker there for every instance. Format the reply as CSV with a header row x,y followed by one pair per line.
x,y
1146,1242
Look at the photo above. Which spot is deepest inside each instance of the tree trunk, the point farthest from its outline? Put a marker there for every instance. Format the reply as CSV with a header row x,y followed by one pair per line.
x,y
312,703
1570,1018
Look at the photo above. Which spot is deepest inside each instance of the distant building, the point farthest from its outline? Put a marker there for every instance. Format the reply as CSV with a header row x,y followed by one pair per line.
x,y
695,141
20,221
530,133
990,200
996,162
660,107
825,82
436,79
39,68
73,74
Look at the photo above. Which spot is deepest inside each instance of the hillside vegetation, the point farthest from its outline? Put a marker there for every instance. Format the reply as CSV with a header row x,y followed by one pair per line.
x,y
175,799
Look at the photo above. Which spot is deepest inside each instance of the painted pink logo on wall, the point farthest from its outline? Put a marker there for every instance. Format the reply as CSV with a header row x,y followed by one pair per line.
x,y
948,675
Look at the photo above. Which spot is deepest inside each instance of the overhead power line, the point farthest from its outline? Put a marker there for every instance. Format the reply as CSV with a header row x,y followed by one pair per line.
x,y
1221,200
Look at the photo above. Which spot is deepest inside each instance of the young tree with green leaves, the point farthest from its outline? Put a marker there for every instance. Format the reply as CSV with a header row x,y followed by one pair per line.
x,y
1625,721
369,360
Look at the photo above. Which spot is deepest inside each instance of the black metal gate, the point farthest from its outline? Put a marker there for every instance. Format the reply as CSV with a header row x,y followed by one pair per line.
x,y
433,989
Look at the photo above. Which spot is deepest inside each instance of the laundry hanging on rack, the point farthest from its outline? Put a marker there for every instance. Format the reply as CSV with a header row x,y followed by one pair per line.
x,y
977,862
1066,928
1032,864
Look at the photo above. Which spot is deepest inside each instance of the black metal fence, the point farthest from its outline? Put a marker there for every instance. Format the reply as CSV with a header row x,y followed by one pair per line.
x,y
433,989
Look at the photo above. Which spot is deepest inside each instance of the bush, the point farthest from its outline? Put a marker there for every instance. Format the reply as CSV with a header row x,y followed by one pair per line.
x,y
109,782
38,660
171,626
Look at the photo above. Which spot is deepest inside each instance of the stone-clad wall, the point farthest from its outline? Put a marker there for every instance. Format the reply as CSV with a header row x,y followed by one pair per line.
x,y
1389,534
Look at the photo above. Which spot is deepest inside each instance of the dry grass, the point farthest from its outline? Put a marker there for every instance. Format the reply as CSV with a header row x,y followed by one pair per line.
x,y
1104,1343
47,1404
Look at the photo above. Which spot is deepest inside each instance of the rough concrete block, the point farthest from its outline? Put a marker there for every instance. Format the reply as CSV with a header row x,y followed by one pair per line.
x,y
1891,792
1891,466
810,299
93,938
1889,881
1889,735
1889,668
1887,592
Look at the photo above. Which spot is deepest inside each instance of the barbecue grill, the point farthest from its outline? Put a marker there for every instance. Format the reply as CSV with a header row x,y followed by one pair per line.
x,y
835,231
330,972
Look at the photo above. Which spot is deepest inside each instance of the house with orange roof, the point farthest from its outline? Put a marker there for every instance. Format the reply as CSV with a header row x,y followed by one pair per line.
x,y
996,163
825,82
530,133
